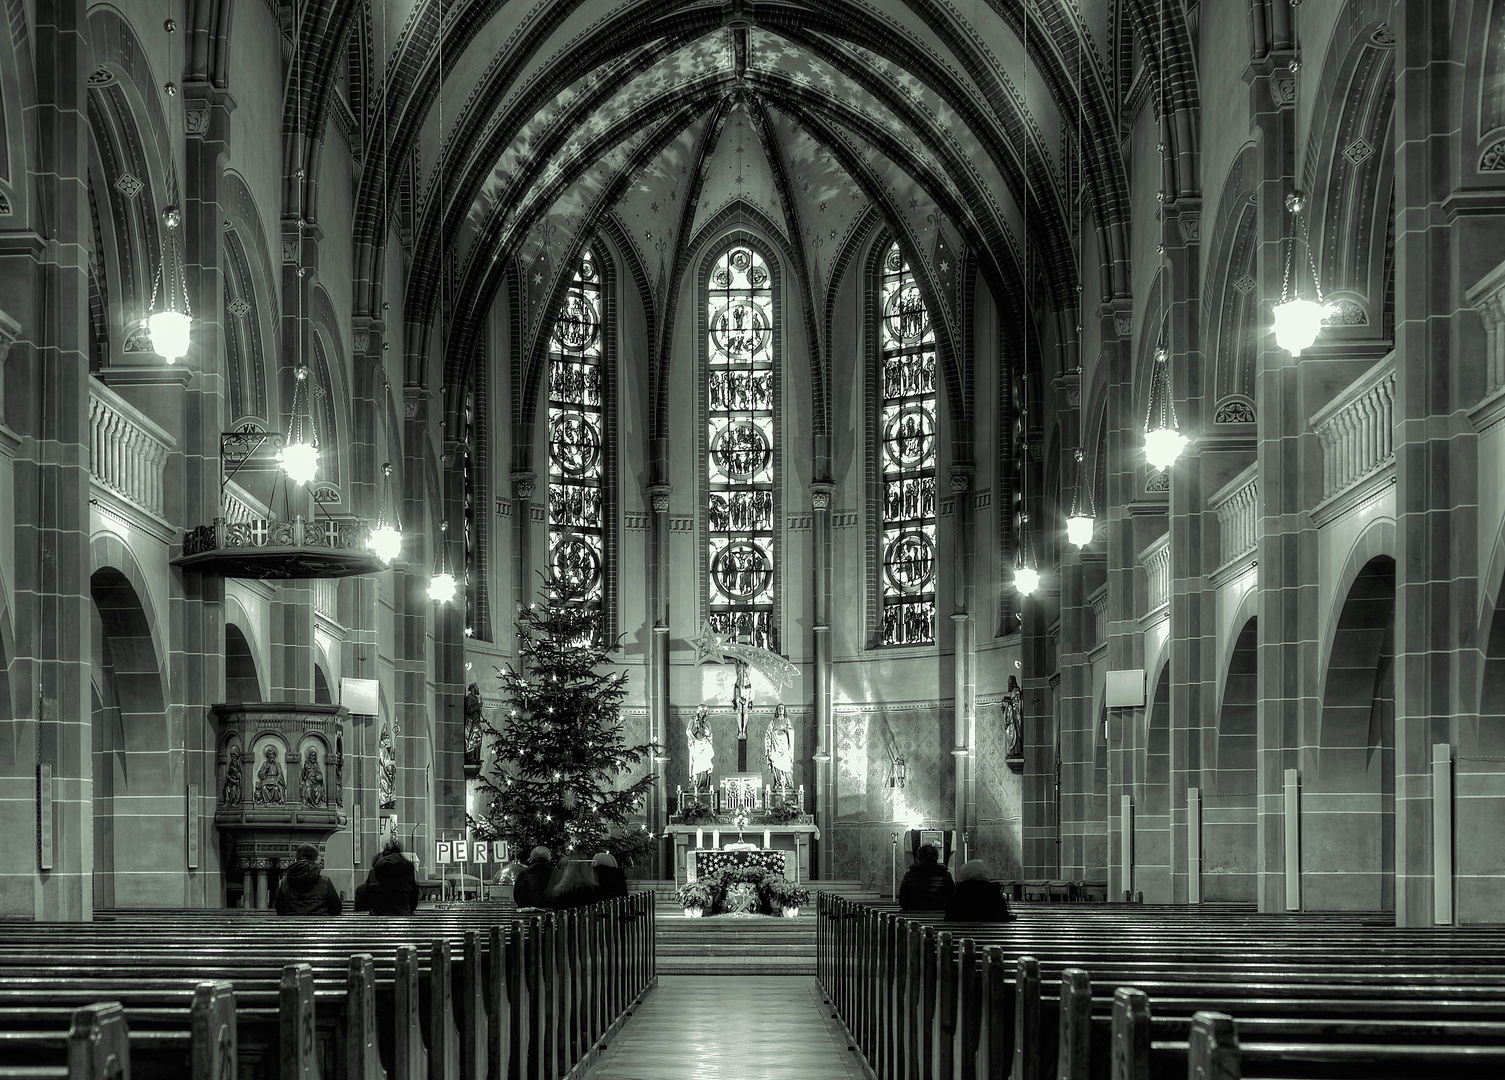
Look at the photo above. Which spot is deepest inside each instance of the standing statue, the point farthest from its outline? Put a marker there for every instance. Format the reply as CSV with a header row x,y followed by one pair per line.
x,y
1013,720
271,782
742,696
701,755
311,779
230,794
475,724
778,744
386,772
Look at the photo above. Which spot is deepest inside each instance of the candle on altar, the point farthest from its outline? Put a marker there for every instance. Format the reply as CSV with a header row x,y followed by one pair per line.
x,y
802,798
767,840
680,798
700,838
716,839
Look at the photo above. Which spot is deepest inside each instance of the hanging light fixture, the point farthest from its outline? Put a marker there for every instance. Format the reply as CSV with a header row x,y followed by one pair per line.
x,y
1298,320
299,459
386,538
170,326
442,585
1026,575
1163,441
1079,524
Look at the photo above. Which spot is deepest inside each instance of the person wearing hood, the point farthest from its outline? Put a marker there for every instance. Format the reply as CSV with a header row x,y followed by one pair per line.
x,y
611,882
977,898
392,886
529,887
305,891
927,885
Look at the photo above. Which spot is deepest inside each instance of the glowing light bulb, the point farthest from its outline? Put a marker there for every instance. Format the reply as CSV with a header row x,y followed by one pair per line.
x,y
1163,446
169,333
442,588
300,461
1079,529
385,542
1298,322
1026,580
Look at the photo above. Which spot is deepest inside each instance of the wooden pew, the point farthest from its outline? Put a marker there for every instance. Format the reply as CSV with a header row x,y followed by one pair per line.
x,y
95,1045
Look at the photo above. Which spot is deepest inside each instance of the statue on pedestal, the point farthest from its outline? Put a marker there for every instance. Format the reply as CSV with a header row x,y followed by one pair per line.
x,y
701,753
742,697
311,779
1013,723
230,793
778,744
271,781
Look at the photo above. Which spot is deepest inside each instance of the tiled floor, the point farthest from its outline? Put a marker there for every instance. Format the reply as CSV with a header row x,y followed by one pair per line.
x,y
736,1027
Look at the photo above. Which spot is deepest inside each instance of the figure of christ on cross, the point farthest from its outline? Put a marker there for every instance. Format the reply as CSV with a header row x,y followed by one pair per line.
x,y
742,696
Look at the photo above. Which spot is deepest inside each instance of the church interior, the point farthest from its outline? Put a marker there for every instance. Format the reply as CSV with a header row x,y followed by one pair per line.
x,y
1056,433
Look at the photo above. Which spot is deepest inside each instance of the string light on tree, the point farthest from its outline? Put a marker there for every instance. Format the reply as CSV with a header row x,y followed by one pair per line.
x,y
300,459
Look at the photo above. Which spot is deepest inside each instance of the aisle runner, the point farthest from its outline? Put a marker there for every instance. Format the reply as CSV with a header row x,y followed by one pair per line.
x,y
740,1027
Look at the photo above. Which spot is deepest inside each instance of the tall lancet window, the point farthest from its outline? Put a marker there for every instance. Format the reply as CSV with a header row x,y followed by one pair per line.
x,y
906,457
577,438
741,381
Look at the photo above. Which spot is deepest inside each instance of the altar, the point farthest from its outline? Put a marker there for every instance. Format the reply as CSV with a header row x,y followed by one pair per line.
x,y
788,844
704,861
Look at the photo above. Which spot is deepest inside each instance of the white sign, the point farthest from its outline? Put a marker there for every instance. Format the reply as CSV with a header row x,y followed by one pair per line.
x,y
360,696
472,851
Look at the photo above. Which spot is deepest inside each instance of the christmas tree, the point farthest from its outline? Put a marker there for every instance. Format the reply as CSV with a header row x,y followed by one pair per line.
x,y
558,749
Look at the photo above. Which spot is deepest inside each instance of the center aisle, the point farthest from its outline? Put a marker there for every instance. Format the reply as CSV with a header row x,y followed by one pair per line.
x,y
739,1027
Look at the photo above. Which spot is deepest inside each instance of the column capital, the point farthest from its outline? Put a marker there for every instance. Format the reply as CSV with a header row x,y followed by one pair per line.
x,y
961,478
206,111
524,483
820,494
1117,318
658,497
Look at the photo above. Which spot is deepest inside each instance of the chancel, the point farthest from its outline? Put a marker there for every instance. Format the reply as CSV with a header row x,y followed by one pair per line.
x,y
564,537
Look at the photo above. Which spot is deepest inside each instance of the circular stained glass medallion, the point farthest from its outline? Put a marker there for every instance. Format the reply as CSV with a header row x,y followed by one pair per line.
x,y
909,437
578,325
574,443
907,317
741,570
576,564
741,450
909,562
739,330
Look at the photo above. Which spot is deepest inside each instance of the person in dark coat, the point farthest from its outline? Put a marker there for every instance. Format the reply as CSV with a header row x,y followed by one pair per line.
x,y
977,899
574,885
305,891
392,886
611,882
927,885
529,888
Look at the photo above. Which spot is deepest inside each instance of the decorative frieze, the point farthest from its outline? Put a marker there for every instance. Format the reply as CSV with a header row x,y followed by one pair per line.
x,y
1237,507
1488,298
1357,429
127,451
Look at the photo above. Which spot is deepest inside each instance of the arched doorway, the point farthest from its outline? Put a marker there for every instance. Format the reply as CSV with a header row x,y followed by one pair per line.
x,y
1152,798
138,849
242,681
1348,784
1229,827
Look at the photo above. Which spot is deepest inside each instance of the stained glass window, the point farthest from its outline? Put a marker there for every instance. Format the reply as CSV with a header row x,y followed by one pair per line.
x,y
576,439
907,454
740,445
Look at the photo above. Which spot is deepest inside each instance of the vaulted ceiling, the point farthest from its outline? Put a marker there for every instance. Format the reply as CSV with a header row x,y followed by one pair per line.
x,y
524,128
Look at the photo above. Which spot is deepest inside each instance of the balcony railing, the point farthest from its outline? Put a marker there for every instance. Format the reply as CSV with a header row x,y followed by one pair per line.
x,y
1156,560
1357,429
1237,507
127,451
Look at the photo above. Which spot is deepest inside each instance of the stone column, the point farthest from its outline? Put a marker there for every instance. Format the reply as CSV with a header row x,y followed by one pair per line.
x,y
524,483
825,794
44,287
449,656
1125,642
1288,591
411,723
1193,606
658,659
1076,740
964,690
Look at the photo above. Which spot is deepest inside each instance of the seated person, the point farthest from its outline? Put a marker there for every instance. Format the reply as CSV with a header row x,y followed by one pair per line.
x,y
305,891
528,890
611,880
926,885
976,898
392,886
574,885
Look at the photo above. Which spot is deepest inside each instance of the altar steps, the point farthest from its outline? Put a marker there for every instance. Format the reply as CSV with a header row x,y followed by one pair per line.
x,y
723,945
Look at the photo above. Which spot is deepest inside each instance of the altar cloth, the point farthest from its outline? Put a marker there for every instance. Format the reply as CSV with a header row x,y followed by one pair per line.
x,y
705,861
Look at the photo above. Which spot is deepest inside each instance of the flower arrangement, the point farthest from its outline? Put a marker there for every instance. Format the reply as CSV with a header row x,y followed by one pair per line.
x,y
780,892
781,813
696,895
697,813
